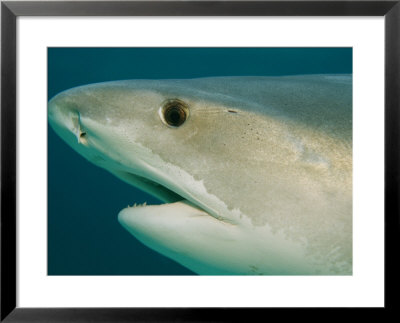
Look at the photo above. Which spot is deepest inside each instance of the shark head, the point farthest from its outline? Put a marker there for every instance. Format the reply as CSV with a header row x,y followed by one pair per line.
x,y
230,178
145,134
148,136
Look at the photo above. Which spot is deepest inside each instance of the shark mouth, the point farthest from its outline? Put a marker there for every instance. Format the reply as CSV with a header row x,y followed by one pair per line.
x,y
157,190
153,188
167,195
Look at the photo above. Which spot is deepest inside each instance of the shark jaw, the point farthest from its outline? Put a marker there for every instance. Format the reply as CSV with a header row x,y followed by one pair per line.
x,y
188,191
183,231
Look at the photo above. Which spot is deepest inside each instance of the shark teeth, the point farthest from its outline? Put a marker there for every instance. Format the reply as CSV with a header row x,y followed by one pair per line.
x,y
137,205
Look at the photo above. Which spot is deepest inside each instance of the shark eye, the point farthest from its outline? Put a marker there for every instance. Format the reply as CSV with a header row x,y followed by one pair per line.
x,y
173,112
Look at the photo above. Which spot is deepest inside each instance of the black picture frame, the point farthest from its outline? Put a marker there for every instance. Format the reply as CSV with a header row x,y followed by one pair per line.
x,y
10,10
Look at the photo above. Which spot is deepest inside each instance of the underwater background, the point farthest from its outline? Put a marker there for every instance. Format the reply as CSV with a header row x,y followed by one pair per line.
x,y
84,235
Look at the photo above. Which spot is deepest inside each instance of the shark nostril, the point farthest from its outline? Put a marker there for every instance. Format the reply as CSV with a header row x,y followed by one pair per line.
x,y
79,132
82,139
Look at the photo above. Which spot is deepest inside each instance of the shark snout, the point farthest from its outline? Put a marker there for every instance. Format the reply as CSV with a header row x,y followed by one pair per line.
x,y
66,117
70,115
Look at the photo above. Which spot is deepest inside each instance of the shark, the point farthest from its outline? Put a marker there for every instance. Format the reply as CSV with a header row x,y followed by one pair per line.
x,y
254,173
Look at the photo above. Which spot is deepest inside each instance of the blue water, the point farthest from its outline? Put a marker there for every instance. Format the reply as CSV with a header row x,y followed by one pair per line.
x,y
84,236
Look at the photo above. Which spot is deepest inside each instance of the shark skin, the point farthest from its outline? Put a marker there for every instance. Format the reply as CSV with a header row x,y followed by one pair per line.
x,y
255,172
